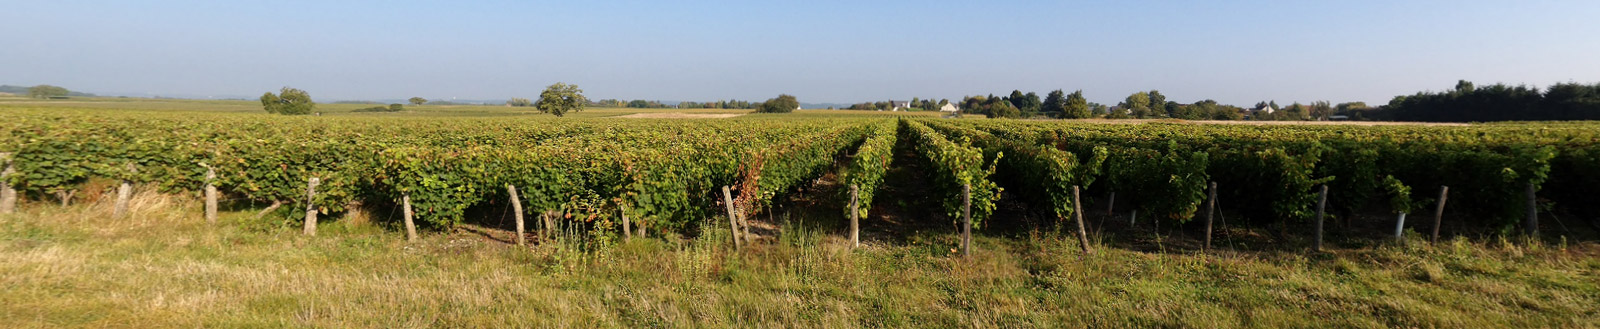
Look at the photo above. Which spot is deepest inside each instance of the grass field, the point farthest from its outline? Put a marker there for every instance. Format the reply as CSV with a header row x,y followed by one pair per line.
x,y
74,267
163,266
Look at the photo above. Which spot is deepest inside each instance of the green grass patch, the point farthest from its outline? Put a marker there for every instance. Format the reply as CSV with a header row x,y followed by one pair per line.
x,y
175,271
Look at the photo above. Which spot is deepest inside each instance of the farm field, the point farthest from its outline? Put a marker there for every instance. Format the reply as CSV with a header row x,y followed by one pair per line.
x,y
622,219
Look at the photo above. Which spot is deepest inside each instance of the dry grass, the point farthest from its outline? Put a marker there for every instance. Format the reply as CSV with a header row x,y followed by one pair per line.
x,y
164,267
674,115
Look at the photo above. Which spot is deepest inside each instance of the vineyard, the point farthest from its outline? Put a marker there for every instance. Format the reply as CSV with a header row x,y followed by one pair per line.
x,y
668,174
835,220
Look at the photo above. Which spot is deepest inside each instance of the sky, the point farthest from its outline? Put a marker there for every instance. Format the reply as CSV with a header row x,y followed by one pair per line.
x,y
822,51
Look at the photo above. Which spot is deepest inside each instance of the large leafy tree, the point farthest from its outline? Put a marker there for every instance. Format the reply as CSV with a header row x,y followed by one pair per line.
x,y
418,100
1027,104
560,99
1055,103
1076,107
1158,104
46,91
1137,105
1030,104
1321,110
288,101
784,103
999,108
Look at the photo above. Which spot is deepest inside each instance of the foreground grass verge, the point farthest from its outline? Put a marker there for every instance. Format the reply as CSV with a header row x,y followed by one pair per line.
x,y
75,267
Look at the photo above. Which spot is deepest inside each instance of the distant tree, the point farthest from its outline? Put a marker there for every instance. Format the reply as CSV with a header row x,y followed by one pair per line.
x,y
1157,104
1137,105
519,102
1055,103
1321,110
47,91
784,103
974,105
418,100
1225,112
1351,106
1076,106
288,101
1030,104
1295,111
1027,104
1097,109
1196,111
638,103
1002,109
1118,112
560,99
396,107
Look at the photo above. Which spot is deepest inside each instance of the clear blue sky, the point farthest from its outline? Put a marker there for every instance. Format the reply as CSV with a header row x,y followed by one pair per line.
x,y
1236,52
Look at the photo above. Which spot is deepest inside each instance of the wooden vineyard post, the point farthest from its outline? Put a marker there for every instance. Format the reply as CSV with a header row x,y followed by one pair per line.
x,y
124,194
211,195
1532,218
8,195
627,227
411,224
1400,227
855,214
966,220
550,218
516,206
733,220
1211,210
744,226
311,206
1438,212
1322,203
1077,215
1111,203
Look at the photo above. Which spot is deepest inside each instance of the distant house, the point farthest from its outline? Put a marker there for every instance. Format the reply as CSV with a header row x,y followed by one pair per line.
x,y
895,105
1266,109
950,108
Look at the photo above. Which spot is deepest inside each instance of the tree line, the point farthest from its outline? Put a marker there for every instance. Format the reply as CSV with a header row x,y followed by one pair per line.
x,y
42,91
1497,102
1059,104
1464,103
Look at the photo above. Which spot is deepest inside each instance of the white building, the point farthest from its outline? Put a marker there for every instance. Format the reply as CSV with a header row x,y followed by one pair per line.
x,y
950,108
899,105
